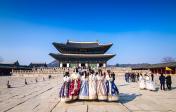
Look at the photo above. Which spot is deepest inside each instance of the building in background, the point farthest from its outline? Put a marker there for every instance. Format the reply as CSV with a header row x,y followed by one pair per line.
x,y
74,54
37,65
6,68
159,68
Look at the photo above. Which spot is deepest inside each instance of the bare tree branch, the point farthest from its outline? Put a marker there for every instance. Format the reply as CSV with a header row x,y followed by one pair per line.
x,y
168,59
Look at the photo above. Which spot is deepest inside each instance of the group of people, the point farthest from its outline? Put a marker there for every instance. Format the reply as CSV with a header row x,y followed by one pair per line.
x,y
89,85
131,77
147,82
165,80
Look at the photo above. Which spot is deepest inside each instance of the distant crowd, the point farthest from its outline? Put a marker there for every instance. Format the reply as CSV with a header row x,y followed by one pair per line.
x,y
148,79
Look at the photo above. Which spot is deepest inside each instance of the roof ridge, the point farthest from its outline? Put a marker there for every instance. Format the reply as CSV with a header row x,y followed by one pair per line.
x,y
69,41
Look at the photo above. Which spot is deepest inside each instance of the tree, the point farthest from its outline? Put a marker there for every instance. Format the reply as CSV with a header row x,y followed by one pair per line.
x,y
117,65
168,59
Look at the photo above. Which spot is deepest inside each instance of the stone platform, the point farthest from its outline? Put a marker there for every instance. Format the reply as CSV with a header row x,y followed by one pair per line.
x,y
43,97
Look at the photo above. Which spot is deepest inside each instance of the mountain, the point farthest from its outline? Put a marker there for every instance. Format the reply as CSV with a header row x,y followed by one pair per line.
x,y
54,63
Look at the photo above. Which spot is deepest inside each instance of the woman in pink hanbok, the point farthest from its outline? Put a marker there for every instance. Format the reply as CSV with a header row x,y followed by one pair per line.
x,y
101,86
92,86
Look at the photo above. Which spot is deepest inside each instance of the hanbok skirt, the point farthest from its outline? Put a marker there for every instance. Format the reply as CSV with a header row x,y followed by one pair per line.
x,y
151,85
101,90
84,91
92,90
64,92
112,90
142,84
74,89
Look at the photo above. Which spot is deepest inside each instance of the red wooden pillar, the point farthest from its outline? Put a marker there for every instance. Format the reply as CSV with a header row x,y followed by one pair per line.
x,y
151,70
165,72
154,70
171,71
161,70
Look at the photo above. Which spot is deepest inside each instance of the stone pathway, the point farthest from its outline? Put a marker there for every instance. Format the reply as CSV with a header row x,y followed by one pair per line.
x,y
43,97
137,100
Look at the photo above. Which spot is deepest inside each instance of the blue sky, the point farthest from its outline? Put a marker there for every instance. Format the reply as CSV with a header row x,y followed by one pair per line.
x,y
142,31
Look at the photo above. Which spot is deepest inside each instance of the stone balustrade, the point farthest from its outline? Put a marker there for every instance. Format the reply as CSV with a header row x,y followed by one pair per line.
x,y
40,71
57,70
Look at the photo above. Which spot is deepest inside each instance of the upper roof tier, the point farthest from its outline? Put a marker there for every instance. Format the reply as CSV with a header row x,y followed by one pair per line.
x,y
71,47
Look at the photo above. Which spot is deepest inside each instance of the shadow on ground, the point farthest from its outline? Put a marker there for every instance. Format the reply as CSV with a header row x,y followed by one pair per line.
x,y
173,87
123,85
125,98
90,101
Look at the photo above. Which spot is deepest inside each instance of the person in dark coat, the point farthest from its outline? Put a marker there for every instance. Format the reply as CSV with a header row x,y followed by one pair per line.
x,y
162,81
126,77
152,76
168,81
113,76
138,76
8,84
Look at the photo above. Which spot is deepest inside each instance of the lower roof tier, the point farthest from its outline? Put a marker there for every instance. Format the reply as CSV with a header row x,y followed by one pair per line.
x,y
82,57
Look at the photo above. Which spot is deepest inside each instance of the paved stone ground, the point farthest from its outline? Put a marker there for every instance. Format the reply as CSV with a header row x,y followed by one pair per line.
x,y
137,100
43,97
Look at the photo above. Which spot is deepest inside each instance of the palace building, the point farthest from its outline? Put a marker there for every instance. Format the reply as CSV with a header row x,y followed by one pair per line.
x,y
74,54
7,68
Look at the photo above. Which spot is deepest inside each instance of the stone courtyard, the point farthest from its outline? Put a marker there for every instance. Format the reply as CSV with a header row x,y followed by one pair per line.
x,y
43,97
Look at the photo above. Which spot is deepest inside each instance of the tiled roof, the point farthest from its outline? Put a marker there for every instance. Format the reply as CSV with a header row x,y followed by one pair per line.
x,y
158,65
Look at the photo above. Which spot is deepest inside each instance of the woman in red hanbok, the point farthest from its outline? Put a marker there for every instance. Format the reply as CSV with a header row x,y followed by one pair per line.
x,y
75,84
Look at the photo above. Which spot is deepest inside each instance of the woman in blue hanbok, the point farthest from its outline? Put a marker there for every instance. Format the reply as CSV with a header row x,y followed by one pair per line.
x,y
64,91
84,91
112,90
